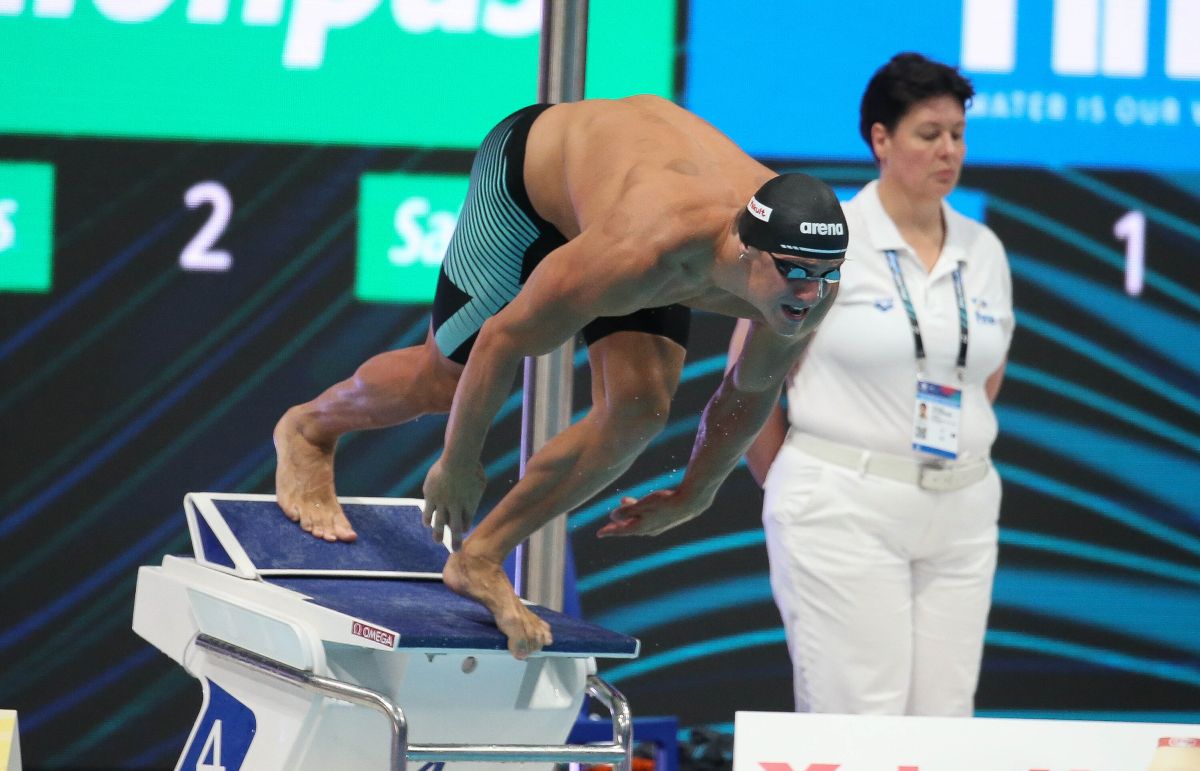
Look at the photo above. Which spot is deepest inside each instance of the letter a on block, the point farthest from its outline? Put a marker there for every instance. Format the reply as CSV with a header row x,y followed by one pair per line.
x,y
809,767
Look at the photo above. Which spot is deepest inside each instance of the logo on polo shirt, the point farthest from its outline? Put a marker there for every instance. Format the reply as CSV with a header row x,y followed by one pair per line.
x,y
980,305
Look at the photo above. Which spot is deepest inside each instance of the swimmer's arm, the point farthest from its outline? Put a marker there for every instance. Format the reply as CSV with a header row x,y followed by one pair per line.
x,y
732,419
762,451
766,445
737,411
567,290
563,293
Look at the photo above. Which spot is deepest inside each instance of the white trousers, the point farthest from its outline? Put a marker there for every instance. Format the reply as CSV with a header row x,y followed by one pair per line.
x,y
884,588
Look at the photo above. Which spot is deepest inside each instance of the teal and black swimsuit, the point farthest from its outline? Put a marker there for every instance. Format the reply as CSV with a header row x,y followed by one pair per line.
x,y
498,242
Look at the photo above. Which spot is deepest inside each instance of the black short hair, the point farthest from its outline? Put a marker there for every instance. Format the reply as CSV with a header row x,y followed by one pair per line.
x,y
906,79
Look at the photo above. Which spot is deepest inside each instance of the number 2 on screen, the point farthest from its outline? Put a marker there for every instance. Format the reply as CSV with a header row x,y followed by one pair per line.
x,y
199,253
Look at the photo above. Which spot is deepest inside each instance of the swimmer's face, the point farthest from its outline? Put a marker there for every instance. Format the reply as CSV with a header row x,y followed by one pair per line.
x,y
792,286
823,271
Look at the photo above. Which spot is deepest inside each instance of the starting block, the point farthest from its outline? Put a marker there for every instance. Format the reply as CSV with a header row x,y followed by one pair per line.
x,y
315,655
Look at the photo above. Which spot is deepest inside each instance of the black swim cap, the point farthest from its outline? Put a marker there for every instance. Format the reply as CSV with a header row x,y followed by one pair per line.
x,y
797,215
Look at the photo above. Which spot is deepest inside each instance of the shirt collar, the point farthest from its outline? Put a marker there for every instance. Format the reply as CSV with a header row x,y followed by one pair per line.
x,y
883,234
881,231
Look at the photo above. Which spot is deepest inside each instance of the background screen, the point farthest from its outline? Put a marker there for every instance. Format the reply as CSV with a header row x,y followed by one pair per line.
x,y
429,73
210,212
1097,83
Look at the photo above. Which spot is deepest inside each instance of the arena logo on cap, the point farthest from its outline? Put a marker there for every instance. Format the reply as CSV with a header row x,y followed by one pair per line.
x,y
823,228
758,210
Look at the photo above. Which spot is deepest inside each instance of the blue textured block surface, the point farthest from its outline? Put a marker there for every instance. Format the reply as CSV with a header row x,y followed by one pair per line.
x,y
428,616
214,551
390,538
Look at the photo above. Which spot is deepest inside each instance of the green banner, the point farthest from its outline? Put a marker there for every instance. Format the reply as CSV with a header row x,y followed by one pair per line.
x,y
404,224
422,73
26,226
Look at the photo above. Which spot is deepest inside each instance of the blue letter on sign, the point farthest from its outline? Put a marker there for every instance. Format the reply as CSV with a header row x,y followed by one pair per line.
x,y
223,736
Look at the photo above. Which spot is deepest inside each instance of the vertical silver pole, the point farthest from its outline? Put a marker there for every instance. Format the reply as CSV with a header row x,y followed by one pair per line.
x,y
548,379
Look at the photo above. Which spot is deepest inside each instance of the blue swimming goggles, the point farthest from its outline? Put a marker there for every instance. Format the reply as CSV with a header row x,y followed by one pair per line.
x,y
796,272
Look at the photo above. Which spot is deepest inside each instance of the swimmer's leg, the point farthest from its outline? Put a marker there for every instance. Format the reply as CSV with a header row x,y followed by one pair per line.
x,y
391,388
634,376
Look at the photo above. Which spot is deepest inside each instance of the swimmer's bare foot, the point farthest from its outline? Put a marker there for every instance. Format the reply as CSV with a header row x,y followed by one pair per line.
x,y
484,581
304,481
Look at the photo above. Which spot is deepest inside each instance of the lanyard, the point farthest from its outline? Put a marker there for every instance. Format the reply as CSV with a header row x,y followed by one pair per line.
x,y
961,362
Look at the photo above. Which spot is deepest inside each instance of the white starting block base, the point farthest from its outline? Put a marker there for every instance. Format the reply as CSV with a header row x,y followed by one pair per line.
x,y
769,741
315,656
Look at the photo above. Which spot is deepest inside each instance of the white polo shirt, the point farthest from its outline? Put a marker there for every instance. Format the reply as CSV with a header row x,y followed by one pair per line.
x,y
857,382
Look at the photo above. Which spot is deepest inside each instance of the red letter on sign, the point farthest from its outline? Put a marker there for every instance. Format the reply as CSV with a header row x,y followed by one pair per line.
x,y
811,766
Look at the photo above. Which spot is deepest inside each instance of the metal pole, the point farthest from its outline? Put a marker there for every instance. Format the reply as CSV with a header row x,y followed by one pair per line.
x,y
548,379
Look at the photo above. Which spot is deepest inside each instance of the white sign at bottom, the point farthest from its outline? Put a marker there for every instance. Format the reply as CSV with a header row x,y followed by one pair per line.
x,y
10,741
772,741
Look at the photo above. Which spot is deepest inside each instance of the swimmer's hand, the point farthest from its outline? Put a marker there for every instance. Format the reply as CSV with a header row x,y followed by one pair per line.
x,y
657,513
451,498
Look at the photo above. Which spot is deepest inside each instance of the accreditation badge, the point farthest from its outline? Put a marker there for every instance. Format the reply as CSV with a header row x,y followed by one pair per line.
x,y
937,416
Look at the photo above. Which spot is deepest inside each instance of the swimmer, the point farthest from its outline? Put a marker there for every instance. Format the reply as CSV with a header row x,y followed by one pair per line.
x,y
613,218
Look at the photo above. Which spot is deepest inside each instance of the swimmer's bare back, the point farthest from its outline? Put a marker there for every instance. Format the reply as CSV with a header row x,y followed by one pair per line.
x,y
584,158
